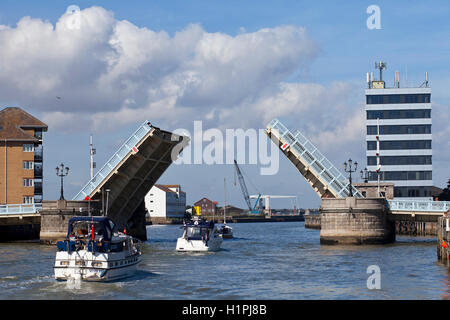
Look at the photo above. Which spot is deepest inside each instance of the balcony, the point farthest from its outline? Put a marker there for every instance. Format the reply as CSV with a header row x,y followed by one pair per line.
x,y
38,172
38,134
37,187
38,155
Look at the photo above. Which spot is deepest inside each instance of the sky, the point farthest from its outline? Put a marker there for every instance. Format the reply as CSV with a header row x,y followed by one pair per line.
x,y
229,64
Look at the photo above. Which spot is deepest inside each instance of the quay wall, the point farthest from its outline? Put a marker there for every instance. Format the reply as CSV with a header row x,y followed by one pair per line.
x,y
55,216
312,221
20,228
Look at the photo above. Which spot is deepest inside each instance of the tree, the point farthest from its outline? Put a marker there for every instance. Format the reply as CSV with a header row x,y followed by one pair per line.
x,y
445,194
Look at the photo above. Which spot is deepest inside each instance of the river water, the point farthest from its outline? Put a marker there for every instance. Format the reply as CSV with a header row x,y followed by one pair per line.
x,y
280,260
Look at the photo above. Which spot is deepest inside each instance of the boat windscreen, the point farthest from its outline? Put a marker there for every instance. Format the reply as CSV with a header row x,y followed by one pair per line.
x,y
195,232
82,230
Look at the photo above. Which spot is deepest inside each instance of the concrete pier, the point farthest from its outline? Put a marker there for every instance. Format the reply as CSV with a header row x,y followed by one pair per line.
x,y
355,221
55,216
312,221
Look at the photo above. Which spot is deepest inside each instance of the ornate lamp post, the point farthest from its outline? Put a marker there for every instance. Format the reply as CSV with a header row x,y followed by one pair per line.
x,y
365,175
349,164
60,173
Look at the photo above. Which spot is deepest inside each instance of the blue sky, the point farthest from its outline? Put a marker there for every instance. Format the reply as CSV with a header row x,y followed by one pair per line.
x,y
414,37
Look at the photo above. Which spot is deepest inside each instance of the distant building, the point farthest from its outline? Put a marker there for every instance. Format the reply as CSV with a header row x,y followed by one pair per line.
x,y
400,118
166,201
21,157
207,207
231,211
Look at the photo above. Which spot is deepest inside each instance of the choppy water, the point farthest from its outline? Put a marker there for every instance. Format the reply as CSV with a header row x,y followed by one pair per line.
x,y
264,261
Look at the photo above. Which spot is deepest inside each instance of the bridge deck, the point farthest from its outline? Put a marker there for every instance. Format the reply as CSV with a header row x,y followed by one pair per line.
x,y
132,171
320,173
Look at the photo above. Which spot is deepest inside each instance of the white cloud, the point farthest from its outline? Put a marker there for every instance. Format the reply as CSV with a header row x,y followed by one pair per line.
x,y
113,72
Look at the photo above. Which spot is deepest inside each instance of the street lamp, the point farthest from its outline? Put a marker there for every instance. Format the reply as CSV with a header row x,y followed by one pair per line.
x,y
60,173
365,175
349,164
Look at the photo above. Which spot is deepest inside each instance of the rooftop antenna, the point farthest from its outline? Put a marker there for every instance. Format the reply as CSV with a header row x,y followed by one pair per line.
x,y
380,65
426,80
92,152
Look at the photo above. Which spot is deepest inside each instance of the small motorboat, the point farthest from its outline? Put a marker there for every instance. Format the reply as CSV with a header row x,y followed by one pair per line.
x,y
226,231
94,251
200,235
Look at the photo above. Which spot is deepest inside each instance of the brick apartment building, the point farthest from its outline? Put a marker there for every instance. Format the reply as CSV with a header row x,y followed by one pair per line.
x,y
207,207
21,157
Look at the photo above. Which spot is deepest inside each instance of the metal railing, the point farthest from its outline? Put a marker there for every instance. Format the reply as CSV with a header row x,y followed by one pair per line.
x,y
15,209
112,163
317,162
419,205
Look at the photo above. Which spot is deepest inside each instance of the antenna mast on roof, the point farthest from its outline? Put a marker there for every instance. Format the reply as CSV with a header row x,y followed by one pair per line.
x,y
380,65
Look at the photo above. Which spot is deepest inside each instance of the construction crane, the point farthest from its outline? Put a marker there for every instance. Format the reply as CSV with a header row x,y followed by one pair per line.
x,y
245,191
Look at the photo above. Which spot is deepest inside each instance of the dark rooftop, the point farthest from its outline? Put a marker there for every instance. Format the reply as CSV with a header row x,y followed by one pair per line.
x,y
13,121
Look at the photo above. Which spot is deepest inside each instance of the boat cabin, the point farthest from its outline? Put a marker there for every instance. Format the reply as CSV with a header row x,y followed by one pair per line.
x,y
81,228
198,230
94,234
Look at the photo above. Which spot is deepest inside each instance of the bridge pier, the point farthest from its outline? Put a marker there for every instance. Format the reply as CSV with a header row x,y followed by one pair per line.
x,y
55,216
355,221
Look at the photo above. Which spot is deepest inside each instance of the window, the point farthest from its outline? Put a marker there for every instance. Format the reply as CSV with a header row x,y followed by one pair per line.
x,y
397,98
28,199
28,165
400,129
28,182
28,148
399,114
401,175
38,134
399,160
400,145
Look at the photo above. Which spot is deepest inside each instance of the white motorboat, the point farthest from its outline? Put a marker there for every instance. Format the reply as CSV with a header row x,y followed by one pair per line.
x,y
200,235
92,251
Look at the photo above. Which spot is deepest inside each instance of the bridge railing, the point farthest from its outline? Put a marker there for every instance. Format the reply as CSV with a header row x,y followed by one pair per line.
x,y
419,205
116,158
20,208
317,162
